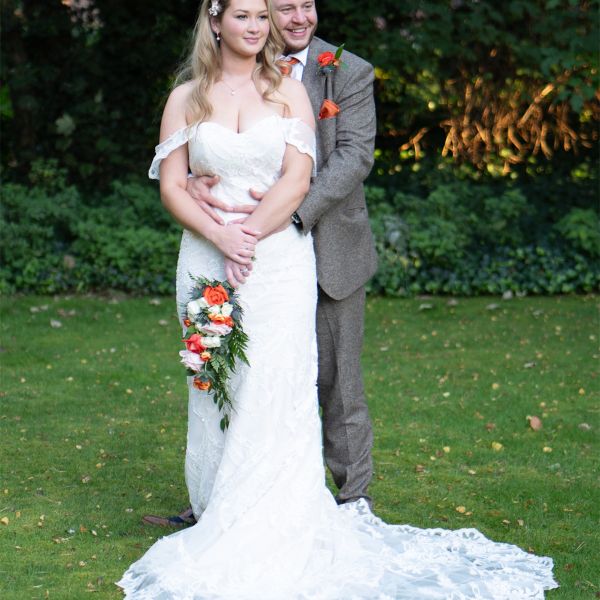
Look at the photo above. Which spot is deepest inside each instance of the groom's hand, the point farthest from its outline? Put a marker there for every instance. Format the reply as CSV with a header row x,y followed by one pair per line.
x,y
199,188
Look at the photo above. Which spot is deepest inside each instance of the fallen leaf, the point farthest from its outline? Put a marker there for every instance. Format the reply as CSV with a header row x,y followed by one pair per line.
x,y
547,449
492,306
4,521
584,426
490,426
534,422
460,509
497,446
419,468
425,306
54,323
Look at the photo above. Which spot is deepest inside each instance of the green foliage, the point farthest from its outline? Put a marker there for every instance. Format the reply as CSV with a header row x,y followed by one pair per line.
x,y
477,78
439,234
54,242
467,238
85,83
582,228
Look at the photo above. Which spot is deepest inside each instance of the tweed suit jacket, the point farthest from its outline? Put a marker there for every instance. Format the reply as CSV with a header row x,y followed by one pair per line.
x,y
335,209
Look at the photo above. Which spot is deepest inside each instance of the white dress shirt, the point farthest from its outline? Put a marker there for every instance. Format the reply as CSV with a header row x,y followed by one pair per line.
x,y
298,68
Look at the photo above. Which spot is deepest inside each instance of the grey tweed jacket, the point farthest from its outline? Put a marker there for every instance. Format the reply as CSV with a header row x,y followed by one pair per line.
x,y
335,209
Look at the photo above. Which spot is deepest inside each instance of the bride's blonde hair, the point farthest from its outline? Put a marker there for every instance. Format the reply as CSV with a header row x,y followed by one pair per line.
x,y
204,61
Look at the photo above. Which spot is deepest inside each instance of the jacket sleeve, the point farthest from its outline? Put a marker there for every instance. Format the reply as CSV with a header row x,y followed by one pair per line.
x,y
352,159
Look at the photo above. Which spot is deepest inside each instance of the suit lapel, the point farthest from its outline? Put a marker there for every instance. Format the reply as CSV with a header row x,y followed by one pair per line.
x,y
312,79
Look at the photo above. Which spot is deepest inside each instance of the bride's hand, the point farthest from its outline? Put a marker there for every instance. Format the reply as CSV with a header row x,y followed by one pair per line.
x,y
236,273
236,241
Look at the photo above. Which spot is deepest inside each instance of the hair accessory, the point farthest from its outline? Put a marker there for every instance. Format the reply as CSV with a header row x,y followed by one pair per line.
x,y
215,8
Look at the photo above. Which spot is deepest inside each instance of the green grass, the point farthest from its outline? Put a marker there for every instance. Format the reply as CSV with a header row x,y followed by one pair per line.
x,y
93,419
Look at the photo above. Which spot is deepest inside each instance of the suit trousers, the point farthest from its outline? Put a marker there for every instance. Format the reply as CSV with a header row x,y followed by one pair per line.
x,y
347,431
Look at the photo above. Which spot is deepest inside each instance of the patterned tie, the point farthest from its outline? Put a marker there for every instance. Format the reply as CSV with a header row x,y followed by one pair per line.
x,y
286,64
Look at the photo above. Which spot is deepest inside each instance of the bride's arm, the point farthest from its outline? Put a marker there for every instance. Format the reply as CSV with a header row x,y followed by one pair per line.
x,y
286,195
236,241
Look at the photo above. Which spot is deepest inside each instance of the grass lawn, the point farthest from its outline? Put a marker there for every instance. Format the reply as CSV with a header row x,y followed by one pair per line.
x,y
93,417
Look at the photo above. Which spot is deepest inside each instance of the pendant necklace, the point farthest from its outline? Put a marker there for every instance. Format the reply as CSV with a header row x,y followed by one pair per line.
x,y
234,90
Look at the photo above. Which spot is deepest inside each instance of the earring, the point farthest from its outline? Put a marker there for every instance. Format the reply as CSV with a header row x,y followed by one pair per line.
x,y
218,36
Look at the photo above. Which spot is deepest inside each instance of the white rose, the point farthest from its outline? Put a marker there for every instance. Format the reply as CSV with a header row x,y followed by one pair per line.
x,y
214,329
194,308
215,309
211,341
191,360
226,309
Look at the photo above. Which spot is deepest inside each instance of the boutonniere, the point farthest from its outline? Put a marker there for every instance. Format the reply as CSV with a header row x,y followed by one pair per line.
x,y
328,63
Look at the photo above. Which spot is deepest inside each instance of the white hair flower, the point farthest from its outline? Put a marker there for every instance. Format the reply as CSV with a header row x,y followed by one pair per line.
x,y
215,8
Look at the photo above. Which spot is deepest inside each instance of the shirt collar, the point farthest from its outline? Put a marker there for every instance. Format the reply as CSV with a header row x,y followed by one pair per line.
x,y
302,56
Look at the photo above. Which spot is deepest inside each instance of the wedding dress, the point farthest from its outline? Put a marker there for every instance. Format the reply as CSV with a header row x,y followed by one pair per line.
x,y
268,528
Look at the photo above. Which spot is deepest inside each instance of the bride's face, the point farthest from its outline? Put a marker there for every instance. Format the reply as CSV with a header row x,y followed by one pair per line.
x,y
244,26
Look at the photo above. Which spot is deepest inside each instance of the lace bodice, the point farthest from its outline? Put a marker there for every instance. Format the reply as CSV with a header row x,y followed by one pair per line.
x,y
249,159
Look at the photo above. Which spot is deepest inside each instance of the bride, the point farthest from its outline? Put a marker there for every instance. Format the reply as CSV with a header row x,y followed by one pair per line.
x,y
268,528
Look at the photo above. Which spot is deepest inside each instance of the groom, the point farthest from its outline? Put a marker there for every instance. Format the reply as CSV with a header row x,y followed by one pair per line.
x,y
335,212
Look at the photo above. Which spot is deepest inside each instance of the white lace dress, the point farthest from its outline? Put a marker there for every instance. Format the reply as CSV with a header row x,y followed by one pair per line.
x,y
268,528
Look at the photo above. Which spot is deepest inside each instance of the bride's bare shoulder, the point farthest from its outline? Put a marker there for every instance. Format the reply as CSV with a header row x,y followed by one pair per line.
x,y
176,110
291,89
180,94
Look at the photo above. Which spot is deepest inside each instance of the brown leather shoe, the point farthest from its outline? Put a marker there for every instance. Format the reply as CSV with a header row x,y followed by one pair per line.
x,y
184,519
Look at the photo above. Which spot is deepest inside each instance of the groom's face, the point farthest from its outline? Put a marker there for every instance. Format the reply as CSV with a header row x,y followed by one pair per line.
x,y
297,21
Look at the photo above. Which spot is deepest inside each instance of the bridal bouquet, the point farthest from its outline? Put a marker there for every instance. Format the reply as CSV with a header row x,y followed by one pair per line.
x,y
214,339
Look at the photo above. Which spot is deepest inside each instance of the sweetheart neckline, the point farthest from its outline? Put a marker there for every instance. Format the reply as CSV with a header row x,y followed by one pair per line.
x,y
253,126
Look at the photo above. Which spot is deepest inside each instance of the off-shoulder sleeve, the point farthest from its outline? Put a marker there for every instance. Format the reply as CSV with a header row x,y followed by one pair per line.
x,y
180,137
301,136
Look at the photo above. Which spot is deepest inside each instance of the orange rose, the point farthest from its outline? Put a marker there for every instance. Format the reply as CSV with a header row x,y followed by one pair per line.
x,y
228,321
187,322
326,58
194,343
217,318
202,385
206,356
329,109
215,295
